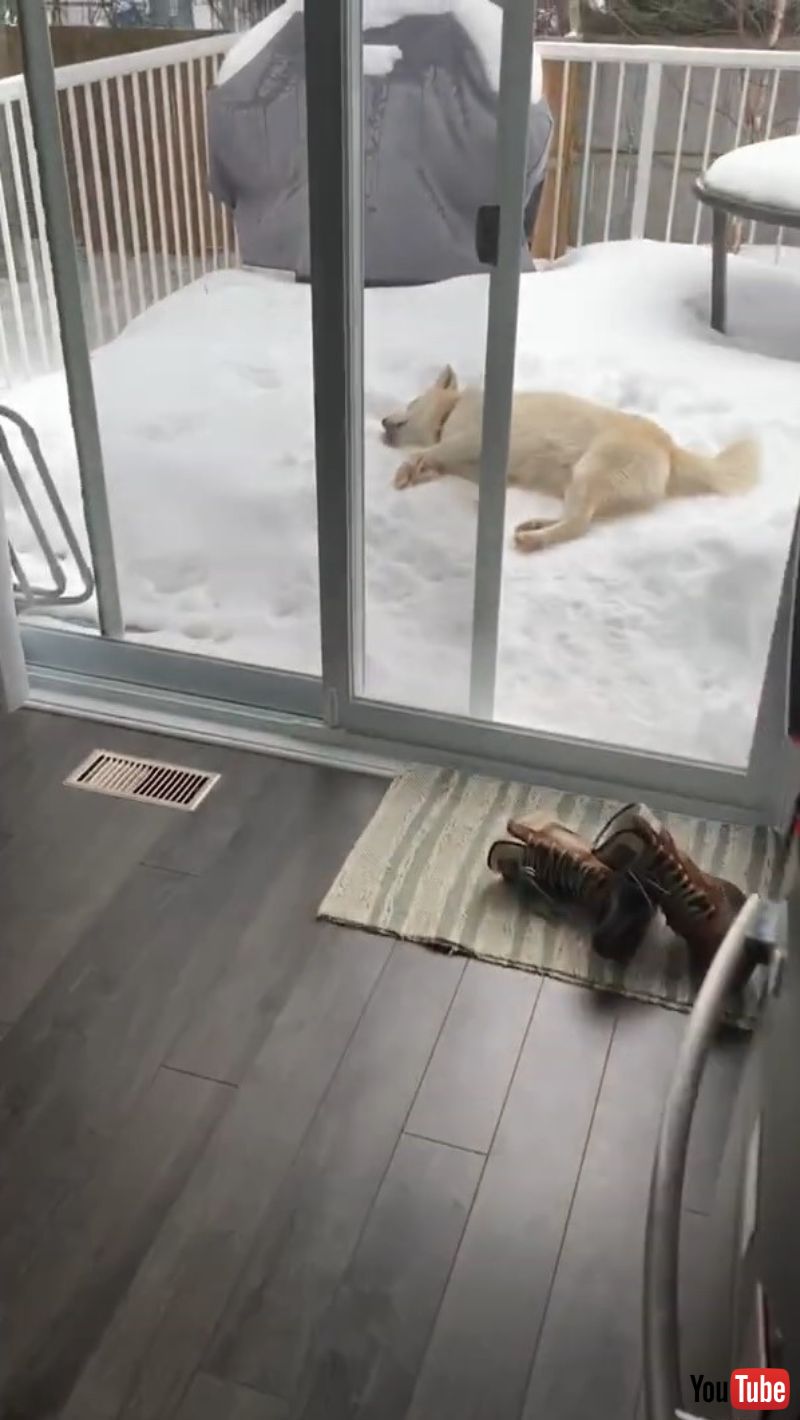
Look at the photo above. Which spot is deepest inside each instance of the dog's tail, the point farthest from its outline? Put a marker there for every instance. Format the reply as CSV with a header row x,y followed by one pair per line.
x,y
734,470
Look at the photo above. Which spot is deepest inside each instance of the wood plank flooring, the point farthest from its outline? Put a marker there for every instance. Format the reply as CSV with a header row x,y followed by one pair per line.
x,y
256,1167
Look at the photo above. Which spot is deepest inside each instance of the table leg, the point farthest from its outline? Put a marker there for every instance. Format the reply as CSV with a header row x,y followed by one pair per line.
x,y
719,261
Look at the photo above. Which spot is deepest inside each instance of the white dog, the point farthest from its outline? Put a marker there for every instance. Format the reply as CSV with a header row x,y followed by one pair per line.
x,y
601,461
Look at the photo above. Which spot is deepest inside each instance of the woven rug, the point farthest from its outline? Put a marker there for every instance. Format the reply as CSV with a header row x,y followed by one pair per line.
x,y
419,872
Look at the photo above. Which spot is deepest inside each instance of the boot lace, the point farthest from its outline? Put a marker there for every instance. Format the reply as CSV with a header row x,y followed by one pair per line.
x,y
555,874
672,879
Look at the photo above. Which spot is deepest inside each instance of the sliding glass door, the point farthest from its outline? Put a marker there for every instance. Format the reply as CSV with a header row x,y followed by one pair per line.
x,y
456,621
304,260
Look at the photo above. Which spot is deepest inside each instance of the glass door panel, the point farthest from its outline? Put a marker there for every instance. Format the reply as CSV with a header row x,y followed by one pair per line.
x,y
461,125
193,264
640,623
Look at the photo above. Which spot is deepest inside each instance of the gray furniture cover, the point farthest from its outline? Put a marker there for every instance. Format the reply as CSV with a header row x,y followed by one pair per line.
x,y
430,127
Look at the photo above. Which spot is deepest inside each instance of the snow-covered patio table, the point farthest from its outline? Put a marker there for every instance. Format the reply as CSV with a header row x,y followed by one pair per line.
x,y
759,182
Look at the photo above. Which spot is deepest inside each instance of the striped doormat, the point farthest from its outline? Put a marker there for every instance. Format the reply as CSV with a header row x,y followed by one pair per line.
x,y
419,872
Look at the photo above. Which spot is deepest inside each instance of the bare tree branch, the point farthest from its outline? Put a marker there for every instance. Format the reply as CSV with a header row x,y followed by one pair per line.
x,y
778,23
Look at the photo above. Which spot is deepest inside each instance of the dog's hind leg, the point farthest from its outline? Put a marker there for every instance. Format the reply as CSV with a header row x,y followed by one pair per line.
x,y
536,533
613,476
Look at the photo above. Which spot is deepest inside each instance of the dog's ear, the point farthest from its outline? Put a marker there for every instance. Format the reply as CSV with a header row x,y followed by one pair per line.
x,y
446,379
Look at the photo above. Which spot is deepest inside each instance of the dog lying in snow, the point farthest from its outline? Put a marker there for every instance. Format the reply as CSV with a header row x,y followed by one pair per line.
x,y
601,461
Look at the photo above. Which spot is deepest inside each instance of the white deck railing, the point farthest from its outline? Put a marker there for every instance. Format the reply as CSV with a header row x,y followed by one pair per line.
x,y
637,123
135,146
648,112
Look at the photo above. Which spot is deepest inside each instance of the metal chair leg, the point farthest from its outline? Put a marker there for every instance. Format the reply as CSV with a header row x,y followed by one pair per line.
x,y
719,262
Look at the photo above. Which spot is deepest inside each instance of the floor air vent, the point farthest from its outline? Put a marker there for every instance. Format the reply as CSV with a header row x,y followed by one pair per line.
x,y
126,776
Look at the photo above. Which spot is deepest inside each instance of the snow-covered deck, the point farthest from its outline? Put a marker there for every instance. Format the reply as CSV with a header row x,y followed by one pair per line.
x,y
652,632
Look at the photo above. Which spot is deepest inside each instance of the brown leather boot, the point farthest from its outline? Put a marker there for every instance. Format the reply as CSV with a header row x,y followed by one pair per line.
x,y
698,906
562,874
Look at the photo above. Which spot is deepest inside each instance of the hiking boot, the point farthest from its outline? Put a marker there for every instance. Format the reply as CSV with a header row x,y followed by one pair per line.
x,y
559,869
698,906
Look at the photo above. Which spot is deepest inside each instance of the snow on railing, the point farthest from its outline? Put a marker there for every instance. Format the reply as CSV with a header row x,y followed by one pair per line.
x,y
636,124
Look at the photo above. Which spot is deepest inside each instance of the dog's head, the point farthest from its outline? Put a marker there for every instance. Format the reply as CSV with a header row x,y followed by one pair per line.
x,y
420,424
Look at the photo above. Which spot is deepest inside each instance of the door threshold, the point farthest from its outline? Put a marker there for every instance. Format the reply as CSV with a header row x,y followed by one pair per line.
x,y
189,717
208,721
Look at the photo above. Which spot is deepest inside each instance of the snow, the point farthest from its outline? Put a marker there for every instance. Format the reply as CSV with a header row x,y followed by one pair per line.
x,y
481,19
253,41
760,172
380,59
651,632
21,299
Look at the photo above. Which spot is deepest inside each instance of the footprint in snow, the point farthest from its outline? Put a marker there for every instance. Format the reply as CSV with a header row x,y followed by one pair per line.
x,y
263,378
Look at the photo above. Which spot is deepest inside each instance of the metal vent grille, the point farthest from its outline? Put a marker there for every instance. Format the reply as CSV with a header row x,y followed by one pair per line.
x,y
126,776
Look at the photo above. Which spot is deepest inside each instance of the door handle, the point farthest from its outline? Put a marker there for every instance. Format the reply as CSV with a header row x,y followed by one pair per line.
x,y
753,933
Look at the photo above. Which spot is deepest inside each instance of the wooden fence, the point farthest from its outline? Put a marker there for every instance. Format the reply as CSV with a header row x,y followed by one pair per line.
x,y
75,44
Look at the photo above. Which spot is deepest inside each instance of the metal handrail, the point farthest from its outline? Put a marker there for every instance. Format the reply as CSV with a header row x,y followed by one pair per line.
x,y
754,932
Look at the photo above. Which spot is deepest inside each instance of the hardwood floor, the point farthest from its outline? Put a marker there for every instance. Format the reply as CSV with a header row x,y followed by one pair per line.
x,y
257,1167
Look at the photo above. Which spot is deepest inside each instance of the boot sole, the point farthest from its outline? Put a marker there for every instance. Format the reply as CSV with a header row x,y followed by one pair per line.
x,y
507,859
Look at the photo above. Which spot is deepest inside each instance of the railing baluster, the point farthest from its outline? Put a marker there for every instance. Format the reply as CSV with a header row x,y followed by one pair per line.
x,y
100,207
712,113
647,143
782,230
173,187
676,165
130,188
612,169
191,79
41,228
155,135
773,100
563,122
207,75
184,156
587,152
5,353
144,179
226,237
116,204
742,108
766,135
13,280
86,223
227,220
25,232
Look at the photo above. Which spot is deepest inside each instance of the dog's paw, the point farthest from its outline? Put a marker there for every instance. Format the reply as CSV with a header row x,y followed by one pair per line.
x,y
404,476
533,525
418,470
530,538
